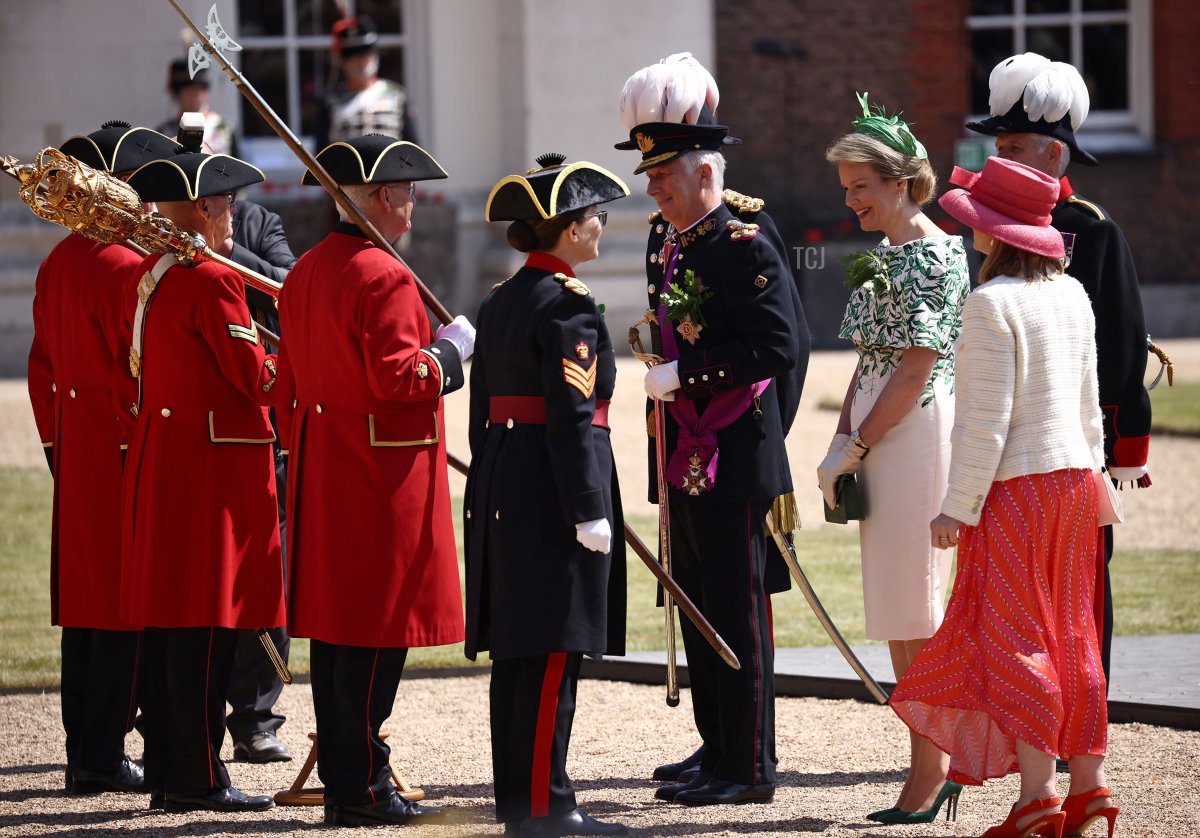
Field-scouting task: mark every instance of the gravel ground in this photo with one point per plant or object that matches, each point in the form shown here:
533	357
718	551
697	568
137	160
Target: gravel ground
838	760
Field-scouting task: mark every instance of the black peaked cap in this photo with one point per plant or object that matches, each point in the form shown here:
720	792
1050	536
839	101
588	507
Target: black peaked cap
1016	121
118	148
193	175
554	189
662	142
376	158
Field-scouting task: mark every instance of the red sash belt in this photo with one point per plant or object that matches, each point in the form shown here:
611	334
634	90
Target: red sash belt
531	410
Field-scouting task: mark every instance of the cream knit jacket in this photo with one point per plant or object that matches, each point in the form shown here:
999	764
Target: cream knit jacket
1027	399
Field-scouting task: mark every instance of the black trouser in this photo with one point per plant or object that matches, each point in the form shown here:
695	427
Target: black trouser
354	688
1106	624
254	685
718	556
99	694
184	680
533	706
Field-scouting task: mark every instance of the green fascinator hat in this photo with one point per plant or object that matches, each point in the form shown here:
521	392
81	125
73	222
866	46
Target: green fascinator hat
889	130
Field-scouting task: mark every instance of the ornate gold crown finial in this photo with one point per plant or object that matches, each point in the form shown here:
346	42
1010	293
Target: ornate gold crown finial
644	143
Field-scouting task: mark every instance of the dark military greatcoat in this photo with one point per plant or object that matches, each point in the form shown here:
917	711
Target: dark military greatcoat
1102	262
543	372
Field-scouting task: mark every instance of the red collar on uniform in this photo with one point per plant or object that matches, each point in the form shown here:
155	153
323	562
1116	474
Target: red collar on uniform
546	262
1065	190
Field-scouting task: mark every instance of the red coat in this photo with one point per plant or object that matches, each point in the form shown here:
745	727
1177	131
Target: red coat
76	339
200	540
371	550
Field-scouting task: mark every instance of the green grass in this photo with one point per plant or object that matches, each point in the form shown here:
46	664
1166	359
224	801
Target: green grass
1176	409
1155	590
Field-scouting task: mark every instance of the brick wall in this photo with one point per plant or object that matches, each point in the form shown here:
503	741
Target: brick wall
913	55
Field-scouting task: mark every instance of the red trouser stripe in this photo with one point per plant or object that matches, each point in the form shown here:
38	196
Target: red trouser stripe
543	740
1098	601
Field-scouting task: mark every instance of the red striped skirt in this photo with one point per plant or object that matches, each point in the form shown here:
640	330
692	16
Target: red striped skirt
1017	656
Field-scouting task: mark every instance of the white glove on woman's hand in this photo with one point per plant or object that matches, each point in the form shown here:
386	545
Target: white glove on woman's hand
595	535
843	457
662	380
461	333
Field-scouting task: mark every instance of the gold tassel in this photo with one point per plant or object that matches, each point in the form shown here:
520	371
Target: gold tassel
783	514
1167	364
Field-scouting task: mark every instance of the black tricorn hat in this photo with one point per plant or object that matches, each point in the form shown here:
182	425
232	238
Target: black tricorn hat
118	147
1016	121
192	175
354	35
555	188
179	76
376	158
662	142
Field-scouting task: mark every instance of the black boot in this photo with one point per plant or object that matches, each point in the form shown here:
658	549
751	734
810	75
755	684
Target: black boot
217	800
671	771
574	822
128	778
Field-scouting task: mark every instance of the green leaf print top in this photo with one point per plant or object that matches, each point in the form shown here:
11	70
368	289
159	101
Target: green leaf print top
922	306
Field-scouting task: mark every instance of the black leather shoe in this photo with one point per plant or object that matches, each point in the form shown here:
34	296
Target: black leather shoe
672	770
128	778
218	800
669	791
263	746
575	822
157	801
717	792
395	809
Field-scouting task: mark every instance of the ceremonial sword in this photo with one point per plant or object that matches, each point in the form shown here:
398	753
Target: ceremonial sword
789	558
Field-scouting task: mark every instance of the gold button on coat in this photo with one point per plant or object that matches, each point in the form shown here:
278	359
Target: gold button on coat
166	411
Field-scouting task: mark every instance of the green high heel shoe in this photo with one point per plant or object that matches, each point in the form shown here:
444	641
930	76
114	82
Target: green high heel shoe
949	795
875	816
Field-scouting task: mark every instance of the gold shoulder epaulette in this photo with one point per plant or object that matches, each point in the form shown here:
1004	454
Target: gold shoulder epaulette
741	230
498	284
1099	213
654	216
742	203
572	284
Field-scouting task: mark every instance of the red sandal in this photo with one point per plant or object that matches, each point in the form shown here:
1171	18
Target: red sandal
1079	818
1049	824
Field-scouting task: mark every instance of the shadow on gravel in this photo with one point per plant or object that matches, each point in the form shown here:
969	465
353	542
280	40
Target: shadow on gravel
84	824
39	768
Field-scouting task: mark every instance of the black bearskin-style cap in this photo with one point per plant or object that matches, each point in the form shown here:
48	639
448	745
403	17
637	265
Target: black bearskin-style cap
354	35
557	187
376	158
192	175
179	76
118	148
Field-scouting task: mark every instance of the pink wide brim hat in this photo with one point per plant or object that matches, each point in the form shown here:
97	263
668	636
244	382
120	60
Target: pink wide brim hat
1009	201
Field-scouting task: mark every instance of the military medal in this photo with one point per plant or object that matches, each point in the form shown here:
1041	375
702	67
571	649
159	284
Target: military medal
695	479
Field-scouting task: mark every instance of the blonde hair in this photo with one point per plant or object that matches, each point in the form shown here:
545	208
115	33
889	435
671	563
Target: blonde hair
891	164
1005	259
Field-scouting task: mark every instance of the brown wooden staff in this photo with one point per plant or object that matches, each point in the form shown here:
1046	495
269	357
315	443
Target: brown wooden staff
440	311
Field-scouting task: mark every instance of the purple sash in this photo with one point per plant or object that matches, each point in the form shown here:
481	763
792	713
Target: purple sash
693	465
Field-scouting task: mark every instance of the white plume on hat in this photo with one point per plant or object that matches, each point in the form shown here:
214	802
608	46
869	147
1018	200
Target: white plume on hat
673	90
1050	89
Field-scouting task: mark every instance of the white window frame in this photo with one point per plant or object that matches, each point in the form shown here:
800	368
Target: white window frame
1104	130
291	43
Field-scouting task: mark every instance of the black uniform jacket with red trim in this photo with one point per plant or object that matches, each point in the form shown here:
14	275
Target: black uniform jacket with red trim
1101	260
531	587
755	330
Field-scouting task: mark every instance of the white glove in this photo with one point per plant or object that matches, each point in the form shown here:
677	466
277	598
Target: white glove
662	380
461	333
843	457
595	535
1127	474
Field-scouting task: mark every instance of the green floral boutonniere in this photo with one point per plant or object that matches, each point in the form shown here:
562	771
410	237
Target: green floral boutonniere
683	301
866	266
